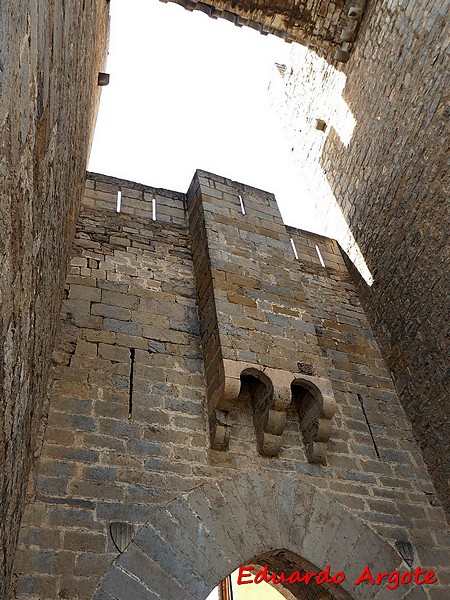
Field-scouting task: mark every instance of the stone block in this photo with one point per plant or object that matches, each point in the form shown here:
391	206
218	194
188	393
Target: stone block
84	292
118	583
40	586
65	517
200	536
196	556
118	299
75	454
154	577
126	328
79	587
37	538
114	353
81	422
84	541
95	336
56	486
151	543
112	312
119	511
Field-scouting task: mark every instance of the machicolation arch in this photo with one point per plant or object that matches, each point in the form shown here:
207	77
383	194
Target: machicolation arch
330	27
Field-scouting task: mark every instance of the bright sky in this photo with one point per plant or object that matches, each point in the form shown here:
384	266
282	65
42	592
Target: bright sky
188	92
260	591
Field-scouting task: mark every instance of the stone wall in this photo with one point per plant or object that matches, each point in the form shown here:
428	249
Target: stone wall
50	55
128	436
383	159
330	26
389	180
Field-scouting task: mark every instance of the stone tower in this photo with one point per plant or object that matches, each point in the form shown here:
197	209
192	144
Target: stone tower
218	397
390	181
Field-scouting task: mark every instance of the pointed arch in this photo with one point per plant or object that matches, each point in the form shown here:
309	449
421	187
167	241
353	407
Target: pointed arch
202	536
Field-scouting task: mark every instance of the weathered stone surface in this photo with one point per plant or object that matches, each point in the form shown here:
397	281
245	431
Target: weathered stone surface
382	158
110	456
50	55
321	24
99	464
297	554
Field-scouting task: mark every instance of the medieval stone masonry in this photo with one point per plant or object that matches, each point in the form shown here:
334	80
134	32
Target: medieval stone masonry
50	55
326	26
225	388
384	158
278	345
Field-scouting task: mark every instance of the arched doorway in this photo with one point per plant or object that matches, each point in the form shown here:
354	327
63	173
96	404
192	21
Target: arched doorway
280	574
199	538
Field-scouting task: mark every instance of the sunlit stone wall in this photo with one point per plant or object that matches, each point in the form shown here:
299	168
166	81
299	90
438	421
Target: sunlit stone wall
382	157
50	56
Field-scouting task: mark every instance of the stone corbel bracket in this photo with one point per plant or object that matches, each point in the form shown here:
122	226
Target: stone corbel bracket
270	397
271	392
219	430
220	402
314	399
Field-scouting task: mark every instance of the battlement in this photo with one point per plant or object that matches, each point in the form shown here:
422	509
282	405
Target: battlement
311	250
198	348
127	446
134	199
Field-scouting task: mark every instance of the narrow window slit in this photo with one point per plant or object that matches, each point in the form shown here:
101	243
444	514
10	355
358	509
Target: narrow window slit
368	426
119	201
242	205
319	254
154	209
294	249
130	399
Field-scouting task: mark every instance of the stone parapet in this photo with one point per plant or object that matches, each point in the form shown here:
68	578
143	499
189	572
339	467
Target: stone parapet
127	444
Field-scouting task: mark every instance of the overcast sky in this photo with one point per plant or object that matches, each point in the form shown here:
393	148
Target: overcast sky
188	92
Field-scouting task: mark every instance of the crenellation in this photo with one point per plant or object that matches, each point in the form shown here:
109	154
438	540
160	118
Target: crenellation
352	458
217	391
293	319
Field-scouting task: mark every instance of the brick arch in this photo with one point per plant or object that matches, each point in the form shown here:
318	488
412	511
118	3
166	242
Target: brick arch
202	536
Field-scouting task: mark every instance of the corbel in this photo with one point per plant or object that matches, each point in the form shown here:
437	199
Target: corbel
316	413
